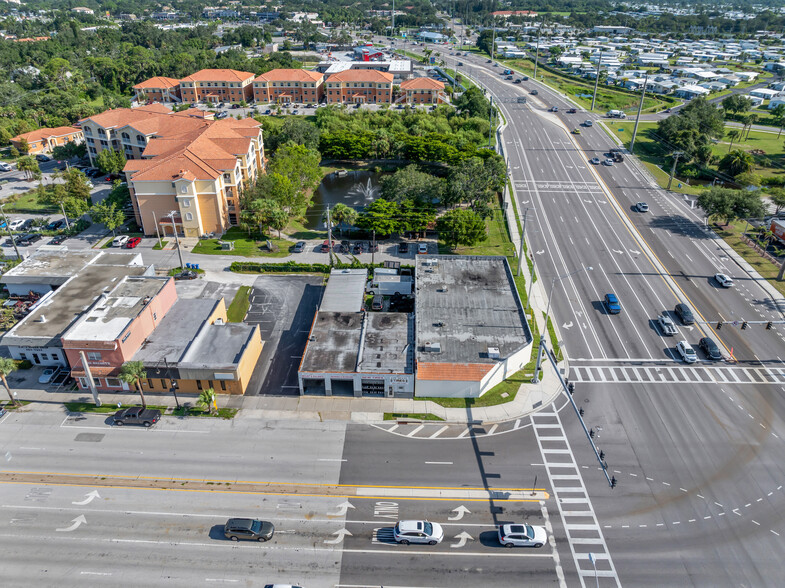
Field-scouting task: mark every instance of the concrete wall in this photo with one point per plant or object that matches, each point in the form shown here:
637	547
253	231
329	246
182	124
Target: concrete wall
447	388
395	385
54	355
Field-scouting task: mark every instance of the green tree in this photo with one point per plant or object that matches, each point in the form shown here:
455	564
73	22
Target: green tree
382	216
110	161
736	103
409	183
7	365
461	227
732	135
29	165
207	400
266	213
736	162
299	131
778	113
108	215
133	372
300	165
777	197
473	102
69	150
341	214
729	205
474	181
416	216
751	120
76	185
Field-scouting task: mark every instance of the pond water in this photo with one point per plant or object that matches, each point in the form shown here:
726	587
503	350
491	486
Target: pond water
357	188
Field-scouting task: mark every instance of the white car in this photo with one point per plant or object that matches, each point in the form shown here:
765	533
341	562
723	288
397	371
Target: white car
667	326
522	536
120	241
422	248
687	352
723	280
588	123
406	532
607	162
642	207
16	224
5	167
46	376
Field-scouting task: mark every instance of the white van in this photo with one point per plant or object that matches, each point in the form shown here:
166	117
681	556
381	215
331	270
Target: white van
120	241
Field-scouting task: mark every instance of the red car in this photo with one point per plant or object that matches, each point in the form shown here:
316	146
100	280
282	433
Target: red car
133	242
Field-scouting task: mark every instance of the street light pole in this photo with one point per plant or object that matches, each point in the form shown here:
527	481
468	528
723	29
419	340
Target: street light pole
596	81
638	118
555	279
537	51
8	228
176	239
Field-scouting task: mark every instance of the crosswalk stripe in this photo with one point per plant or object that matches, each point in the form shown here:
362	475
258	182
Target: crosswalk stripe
439	432
677	374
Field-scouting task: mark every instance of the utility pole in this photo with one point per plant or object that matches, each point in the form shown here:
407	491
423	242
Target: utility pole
596	81
676	155
329	236
67	224
393	20
490	122
523	236
638	118
7	228
157	232
537	51
176	240
493	42
89	377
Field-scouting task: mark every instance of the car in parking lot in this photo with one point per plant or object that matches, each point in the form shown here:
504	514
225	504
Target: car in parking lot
46	376
422	248
58	239
612	304
252	529
120	241
406	532
724	280
42	157
522	535
684	313
222	114
666	324
358	248
377	303
16	224
595	161
327	246
642	207
29	239
5	167
710	348
403	247
133	242
687	352
54	225
298	247
186	275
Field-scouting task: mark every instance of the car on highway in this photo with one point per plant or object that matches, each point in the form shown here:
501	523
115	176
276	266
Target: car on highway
5	167
576	131
595	161
136	415
710	348
120	241
460	63
588	123
518	80
572	110
667	326
508	77
642	207
406	532
607	162
687	352
298	247
724	280
522	535
534	92
684	313
46	376
553	109
489	61
612	304
525	78
252	529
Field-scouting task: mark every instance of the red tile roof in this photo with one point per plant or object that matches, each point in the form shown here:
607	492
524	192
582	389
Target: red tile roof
34	136
422	84
456	372
157	82
218	75
290	75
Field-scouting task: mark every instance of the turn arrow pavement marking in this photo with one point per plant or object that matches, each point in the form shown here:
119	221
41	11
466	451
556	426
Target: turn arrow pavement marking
342	509
460	511
76	522
340	534
567	325
89	497
462	539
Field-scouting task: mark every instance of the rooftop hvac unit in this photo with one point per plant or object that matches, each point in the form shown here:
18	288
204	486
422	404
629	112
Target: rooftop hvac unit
431	347
430	261
493	353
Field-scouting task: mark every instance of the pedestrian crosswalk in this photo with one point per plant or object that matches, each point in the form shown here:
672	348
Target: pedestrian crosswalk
665	374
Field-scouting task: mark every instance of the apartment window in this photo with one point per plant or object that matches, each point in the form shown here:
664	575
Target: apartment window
189	216
198	384
94	356
140	138
126	137
185	203
104	143
210	384
150	383
113	383
83	382
22	356
163	383
183	189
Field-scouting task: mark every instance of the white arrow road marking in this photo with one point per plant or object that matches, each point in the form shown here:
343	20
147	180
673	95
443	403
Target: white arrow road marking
342	509
635	251
584	326
540	252
76	522
567	325
460	511
617	251
462	539
88	498
340	534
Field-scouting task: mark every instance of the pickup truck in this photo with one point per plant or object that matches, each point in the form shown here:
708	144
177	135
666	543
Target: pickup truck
136	416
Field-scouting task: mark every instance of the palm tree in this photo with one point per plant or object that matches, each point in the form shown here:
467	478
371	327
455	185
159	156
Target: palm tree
7	365
732	135
751	120
342	213
133	372
207	399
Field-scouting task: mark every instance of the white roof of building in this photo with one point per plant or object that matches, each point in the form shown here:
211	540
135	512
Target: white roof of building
345	291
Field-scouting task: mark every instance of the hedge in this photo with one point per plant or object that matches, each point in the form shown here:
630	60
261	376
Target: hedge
291	267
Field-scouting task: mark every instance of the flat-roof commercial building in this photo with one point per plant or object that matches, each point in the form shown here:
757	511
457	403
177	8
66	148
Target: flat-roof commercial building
471	327
401	69
351	352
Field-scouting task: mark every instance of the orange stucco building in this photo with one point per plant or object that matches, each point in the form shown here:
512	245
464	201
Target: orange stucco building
289	85
355	86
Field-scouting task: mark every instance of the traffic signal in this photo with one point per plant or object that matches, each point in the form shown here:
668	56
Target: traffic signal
769	325
743	325
719	325
613	482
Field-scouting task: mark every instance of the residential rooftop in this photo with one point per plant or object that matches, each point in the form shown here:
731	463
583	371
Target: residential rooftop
57	267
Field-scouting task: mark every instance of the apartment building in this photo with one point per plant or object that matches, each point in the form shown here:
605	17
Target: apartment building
44	140
217	85
158	89
422	91
359	87
180	163
289	85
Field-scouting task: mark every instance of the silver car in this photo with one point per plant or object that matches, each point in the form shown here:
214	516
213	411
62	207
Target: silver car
522	536
406	532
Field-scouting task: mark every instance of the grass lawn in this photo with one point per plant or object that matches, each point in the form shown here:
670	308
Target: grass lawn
297	230
581	91
239	306
158	247
426	416
770	164
28	203
732	235
254	245
497	243
464	81
499	394
222	413
105	408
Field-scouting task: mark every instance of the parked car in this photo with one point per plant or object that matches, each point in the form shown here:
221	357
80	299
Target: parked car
422	248
642	207
186	275
403	247
666	324
612	304
133	242
687	352
406	532
42	157
377	303
373	247
29	239
460	63
522	535
222	114
253	529
358	247
327	246
525	78
299	247
136	415
684	313
16	224
710	348
46	376
236	106
54	225
58	239
5	167
724	280
120	241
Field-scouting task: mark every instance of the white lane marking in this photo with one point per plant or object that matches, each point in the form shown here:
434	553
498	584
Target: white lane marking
439	462
415	431
330	459
439	432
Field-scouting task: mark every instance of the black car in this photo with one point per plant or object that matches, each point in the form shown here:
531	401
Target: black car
403	247
685	314
346	246
58	239
186	275
137	415
299	247
572	110
710	348
373	247
525	78
358	248
41	157
253	529
29	239
53	226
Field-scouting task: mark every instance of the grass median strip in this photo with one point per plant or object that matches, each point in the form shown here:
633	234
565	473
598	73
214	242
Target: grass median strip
420	416
239	306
